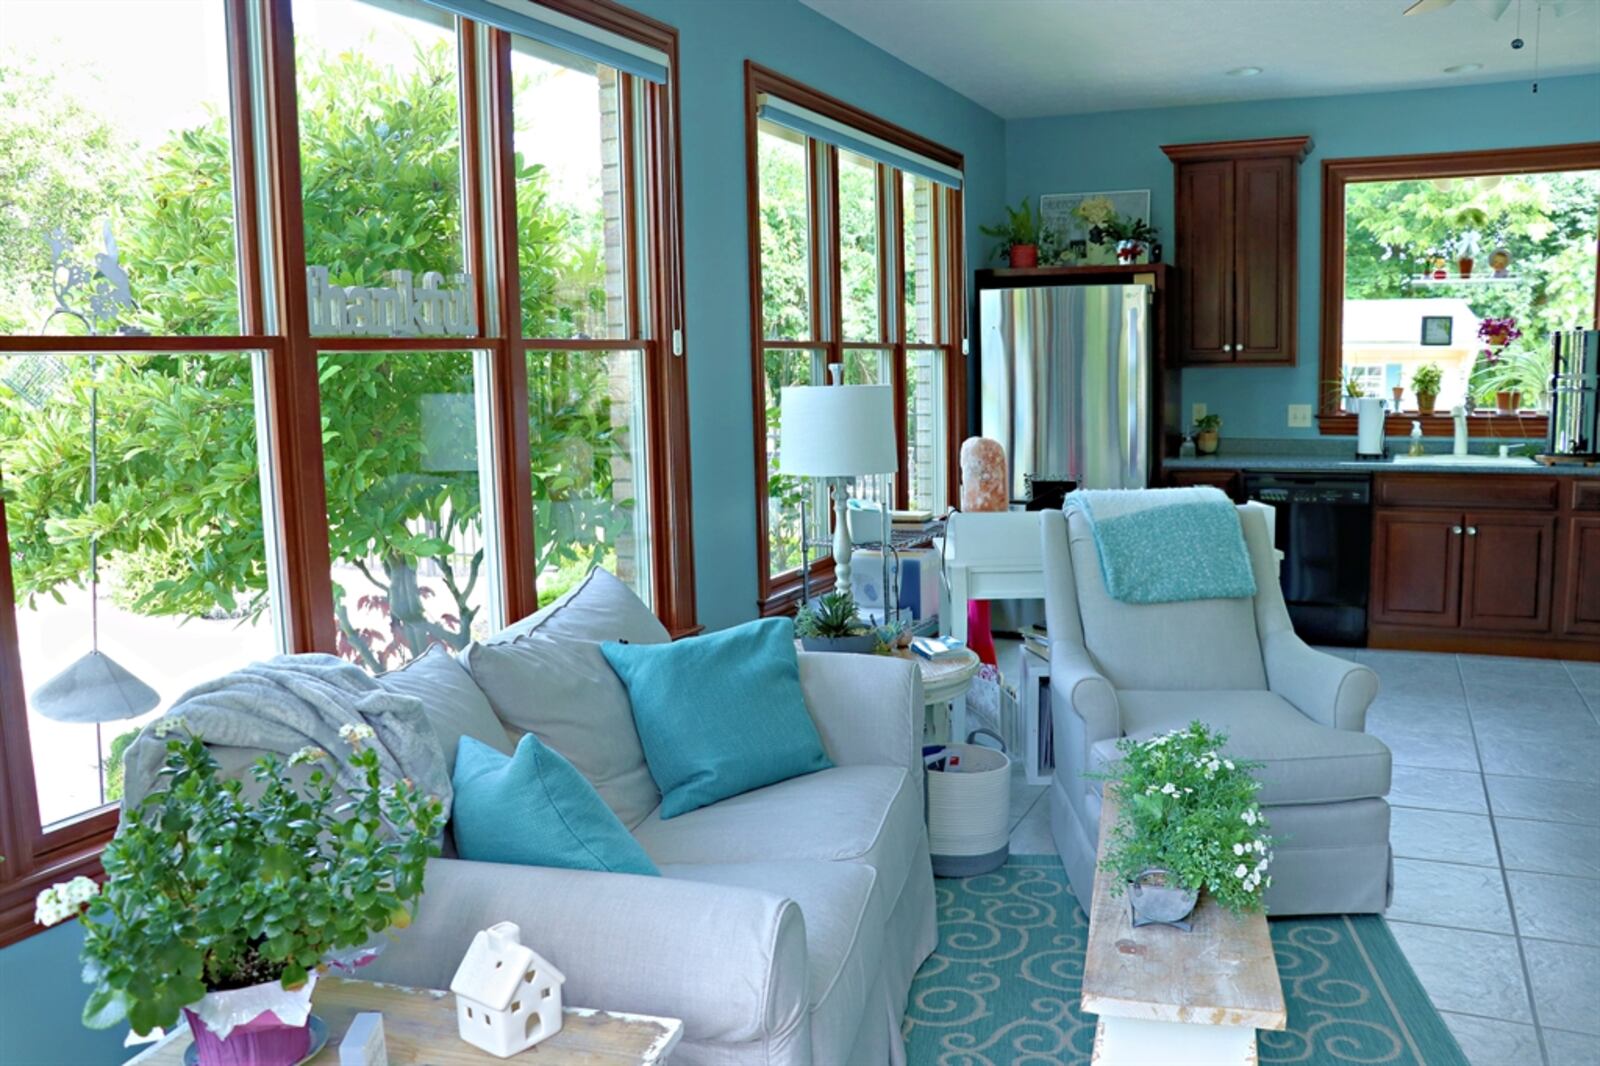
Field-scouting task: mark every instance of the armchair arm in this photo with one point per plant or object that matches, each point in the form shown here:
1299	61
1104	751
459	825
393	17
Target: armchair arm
1325	688
868	708
1076	685
731	962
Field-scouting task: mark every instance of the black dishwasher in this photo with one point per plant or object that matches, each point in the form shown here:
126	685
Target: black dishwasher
1324	529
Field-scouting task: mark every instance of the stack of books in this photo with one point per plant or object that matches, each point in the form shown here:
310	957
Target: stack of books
912	529
937	648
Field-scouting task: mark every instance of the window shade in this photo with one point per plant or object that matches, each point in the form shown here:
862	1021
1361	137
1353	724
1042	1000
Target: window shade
562	31
803	120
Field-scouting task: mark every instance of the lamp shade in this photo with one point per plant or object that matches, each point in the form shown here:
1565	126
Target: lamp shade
837	430
95	688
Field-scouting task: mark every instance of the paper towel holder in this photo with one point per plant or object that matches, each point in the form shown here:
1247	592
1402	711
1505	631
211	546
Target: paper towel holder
1370	440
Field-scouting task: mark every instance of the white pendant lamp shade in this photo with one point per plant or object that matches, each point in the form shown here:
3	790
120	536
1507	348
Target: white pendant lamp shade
837	430
94	689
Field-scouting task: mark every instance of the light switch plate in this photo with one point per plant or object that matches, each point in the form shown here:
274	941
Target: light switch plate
1299	416
1197	411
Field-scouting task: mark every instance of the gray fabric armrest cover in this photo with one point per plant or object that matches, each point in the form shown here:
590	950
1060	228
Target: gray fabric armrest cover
730	962
1090	696
867	708
1325	688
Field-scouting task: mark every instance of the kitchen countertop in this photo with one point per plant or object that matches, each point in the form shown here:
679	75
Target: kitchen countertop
1331	464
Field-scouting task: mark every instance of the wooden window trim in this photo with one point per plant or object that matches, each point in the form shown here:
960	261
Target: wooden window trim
1338	173
780	593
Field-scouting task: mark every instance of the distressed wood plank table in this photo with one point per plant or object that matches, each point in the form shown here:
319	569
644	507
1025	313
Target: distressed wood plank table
419	1027
1171	997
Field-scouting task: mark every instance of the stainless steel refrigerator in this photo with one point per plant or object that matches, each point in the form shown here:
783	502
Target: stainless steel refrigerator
1065	381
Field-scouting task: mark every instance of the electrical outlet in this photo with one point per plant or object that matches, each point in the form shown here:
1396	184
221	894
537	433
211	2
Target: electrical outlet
1299	416
1197	411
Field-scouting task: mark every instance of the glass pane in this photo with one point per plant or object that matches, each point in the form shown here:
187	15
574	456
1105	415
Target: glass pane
785	367
1468	275
176	513
405	512
869	366
785	235
117	169
590	469
916	199
925	393
571	237
380	157
858	246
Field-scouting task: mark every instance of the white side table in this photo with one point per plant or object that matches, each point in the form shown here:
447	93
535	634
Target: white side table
944	684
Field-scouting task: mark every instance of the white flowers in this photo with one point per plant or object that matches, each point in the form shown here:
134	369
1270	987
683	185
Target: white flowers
1169	789
1250	817
170	724
1228	763
1241	870
308	754
64	900
353	735
1238	849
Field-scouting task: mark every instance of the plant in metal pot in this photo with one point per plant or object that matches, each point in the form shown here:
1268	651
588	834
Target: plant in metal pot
1189	822
831	623
223	910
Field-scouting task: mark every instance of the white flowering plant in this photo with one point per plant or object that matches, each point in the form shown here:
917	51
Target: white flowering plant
207	891
1189	809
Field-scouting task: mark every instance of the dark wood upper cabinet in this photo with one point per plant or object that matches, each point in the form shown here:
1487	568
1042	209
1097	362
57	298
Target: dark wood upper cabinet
1236	220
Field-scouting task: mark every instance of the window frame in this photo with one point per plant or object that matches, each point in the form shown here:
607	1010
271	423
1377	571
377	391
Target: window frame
274	319
780	593
1339	173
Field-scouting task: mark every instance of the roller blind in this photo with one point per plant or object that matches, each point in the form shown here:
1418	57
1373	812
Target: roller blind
529	19
792	116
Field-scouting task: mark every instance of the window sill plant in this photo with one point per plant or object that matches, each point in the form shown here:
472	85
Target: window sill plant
1189	823
224	910
1425	385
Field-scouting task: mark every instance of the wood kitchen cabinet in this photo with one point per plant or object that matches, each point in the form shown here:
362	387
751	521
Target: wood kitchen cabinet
1416	568
1578	562
1236	234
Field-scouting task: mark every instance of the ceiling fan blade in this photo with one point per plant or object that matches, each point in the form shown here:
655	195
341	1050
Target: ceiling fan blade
1423	7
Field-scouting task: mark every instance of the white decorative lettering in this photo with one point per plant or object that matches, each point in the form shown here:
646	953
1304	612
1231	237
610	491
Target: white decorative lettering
401	309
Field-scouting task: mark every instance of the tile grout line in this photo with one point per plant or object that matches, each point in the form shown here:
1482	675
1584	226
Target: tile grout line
1505	880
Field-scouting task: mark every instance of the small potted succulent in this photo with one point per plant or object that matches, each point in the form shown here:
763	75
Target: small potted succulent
1018	236
223	911
1425	383
1207	433
831	623
1188	822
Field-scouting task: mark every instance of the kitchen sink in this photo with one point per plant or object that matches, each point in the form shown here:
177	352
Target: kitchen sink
1465	460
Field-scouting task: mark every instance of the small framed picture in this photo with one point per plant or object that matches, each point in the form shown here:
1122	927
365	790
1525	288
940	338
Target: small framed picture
1436	329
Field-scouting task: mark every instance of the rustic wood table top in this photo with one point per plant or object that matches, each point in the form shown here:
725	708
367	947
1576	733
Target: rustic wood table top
1222	972
419	1027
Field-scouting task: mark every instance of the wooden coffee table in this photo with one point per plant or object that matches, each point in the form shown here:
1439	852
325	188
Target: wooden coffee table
419	1027
1176	998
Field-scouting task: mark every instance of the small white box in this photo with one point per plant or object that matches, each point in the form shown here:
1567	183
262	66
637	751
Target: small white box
363	1043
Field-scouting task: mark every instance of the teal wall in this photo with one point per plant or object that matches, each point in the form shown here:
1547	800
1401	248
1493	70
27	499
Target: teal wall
41	998
1121	150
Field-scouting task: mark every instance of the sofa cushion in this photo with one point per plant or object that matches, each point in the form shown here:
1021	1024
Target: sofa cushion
1306	762
545	675
1206	644
534	809
456	707
721	714
844	948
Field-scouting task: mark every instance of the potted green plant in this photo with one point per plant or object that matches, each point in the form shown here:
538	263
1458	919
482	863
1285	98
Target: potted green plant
1425	383
1351	390
831	623
223	910
1018	236
1207	433
1130	236
1472	220
1188	822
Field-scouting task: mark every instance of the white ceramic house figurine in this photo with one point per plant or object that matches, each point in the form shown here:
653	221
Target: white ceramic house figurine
508	998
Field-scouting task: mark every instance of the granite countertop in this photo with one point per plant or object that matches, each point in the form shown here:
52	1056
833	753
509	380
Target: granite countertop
1271	462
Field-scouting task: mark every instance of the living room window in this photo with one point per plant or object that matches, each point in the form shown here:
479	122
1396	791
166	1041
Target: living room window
370	350
1462	262
853	263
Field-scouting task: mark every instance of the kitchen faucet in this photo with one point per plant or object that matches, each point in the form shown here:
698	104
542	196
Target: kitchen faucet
1459	414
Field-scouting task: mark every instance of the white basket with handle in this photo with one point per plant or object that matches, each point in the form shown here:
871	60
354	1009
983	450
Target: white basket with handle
968	812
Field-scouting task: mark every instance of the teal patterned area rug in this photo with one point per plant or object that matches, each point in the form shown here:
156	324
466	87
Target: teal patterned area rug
1003	987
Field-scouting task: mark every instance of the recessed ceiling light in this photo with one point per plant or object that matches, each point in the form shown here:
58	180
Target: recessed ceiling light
1463	68
1244	72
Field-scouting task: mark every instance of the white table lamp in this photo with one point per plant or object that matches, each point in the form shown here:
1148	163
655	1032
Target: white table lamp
837	432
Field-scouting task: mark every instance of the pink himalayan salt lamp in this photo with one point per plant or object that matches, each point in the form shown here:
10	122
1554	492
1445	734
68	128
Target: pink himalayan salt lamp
983	475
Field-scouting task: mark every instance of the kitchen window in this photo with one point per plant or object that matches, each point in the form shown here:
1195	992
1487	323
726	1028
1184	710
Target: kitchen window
1463	262
855	261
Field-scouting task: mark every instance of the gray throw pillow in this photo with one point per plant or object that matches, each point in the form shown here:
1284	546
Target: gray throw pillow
454	704
546	676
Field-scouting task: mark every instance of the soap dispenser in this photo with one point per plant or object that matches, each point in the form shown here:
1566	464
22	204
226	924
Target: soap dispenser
1416	438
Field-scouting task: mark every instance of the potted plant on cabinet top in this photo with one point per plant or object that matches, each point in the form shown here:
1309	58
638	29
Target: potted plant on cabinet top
830	623
1018	236
223	911
1207	433
1188	822
1425	383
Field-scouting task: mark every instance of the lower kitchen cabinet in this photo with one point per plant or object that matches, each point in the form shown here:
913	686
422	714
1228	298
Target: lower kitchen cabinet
1507	571
1580	576
1416	568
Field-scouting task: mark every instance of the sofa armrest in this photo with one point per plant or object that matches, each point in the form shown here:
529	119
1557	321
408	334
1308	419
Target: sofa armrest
731	962
1080	688
868	708
1324	687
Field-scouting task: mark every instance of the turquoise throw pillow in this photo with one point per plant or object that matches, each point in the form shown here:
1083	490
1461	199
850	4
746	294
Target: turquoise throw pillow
534	808
720	714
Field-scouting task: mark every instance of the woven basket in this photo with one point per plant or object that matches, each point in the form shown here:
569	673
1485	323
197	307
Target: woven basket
968	811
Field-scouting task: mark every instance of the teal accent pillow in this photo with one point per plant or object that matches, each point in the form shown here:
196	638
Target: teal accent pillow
532	807
720	714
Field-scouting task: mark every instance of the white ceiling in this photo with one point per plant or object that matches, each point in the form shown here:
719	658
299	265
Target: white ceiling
1027	58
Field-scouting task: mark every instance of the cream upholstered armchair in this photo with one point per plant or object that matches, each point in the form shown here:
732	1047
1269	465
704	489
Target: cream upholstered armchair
1119	669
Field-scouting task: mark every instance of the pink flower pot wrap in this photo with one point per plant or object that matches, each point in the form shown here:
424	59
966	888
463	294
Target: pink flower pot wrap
263	1025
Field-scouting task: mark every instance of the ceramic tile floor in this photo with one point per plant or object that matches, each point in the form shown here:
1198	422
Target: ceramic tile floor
1496	833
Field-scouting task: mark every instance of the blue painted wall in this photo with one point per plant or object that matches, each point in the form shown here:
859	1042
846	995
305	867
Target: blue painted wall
1121	150
41	999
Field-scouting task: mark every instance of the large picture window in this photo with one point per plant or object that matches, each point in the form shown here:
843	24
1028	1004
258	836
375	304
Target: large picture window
353	328
855	262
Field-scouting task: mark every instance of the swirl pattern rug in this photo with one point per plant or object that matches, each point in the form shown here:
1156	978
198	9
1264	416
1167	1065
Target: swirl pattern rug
1003	987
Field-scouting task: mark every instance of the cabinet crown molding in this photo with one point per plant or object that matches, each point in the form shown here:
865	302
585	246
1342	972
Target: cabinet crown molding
1261	148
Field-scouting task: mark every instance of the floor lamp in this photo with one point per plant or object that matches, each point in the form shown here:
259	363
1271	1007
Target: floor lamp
835	433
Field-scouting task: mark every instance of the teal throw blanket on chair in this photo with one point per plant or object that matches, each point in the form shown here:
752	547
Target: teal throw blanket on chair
1167	545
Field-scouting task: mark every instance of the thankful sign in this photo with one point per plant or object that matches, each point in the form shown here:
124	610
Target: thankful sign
403	309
